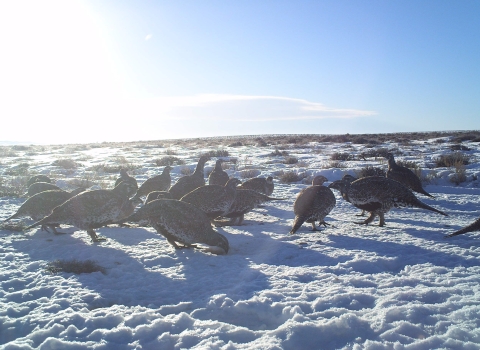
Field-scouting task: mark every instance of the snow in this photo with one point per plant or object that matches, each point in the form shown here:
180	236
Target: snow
402	286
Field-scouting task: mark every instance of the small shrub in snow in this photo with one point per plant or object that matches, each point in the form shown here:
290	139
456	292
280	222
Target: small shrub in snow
291	160
218	153
278	153
261	142
249	173
14	186
74	266
185	170
453	159
334	164
459	176
341	156
7	152
290	176
370	171
458	147
236	144
168	160
65	163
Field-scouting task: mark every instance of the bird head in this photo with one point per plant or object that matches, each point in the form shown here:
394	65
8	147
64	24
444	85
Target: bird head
223	243
339	185
319	180
349	178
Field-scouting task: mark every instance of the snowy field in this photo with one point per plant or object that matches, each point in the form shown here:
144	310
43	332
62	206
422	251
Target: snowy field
402	286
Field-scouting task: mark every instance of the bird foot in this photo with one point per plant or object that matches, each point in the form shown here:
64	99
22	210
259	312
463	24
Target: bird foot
361	223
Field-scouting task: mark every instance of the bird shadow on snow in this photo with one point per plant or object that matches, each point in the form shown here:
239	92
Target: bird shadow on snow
395	256
143	269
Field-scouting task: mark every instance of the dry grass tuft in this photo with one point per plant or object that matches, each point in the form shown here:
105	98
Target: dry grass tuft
453	159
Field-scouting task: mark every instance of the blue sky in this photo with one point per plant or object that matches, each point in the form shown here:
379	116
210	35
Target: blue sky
93	71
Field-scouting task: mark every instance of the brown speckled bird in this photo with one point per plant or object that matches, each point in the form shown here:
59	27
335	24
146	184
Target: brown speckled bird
218	176
125	177
245	201
405	176
158	195
312	204
351	178
378	195
259	184
214	200
475	226
38	187
156	183
190	182
168	218
41	204
38	178
92	209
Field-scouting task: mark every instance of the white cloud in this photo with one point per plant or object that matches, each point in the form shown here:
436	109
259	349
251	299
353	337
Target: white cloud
242	108
148	37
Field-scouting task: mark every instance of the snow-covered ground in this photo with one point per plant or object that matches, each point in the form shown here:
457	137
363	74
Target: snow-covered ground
402	286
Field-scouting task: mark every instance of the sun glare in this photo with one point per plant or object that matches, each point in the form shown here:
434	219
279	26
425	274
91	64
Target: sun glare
53	62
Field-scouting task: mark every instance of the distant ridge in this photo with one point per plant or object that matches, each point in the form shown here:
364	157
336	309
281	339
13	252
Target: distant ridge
461	135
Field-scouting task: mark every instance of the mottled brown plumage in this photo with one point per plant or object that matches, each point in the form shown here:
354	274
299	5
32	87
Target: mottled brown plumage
351	178
312	204
404	175
92	209
40	205
38	187
214	200
156	183
218	176
188	183
168	218
259	184
378	195
127	178
475	226
245	201
158	195
38	178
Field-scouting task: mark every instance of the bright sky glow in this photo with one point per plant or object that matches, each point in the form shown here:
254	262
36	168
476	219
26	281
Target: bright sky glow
89	71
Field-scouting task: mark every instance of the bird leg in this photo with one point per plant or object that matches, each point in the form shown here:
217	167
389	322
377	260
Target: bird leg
368	220
184	246
94	237
361	214
382	219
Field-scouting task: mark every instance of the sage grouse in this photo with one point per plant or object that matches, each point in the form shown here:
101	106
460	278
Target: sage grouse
125	177
41	204
38	178
92	209
214	200
38	187
259	184
378	195
156	183
158	195
404	176
245	201
475	226
313	204
169	218
190	182
218	176
351	178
